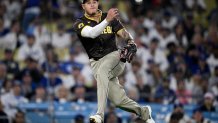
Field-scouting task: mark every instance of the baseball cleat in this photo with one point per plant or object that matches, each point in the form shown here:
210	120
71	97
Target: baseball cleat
95	119
145	110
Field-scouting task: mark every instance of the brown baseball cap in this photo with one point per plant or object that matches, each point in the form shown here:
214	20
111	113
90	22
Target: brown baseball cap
84	1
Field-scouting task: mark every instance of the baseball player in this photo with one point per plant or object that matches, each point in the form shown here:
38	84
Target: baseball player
97	31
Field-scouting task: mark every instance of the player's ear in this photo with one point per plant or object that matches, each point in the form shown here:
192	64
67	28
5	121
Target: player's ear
83	6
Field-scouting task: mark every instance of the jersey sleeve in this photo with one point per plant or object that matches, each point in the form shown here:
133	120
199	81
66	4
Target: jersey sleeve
78	26
116	25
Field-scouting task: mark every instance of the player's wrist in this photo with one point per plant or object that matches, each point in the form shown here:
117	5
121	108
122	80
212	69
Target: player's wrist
106	21
130	41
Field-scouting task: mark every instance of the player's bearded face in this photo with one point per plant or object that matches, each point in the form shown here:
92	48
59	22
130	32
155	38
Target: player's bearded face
91	7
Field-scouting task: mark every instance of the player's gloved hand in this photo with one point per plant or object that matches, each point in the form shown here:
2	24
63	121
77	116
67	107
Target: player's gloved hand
128	52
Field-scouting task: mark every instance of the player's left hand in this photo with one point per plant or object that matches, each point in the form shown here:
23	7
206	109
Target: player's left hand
128	52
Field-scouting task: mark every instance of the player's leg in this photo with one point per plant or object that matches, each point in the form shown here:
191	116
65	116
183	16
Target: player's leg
118	96
102	91
102	72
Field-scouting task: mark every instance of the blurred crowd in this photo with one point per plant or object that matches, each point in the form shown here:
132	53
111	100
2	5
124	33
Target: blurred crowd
41	58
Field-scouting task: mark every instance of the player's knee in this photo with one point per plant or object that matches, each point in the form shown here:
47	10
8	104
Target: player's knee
120	98
117	103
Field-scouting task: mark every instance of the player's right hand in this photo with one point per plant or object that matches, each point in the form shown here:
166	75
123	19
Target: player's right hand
112	13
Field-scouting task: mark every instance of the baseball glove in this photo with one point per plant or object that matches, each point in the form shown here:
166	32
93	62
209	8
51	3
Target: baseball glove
128	52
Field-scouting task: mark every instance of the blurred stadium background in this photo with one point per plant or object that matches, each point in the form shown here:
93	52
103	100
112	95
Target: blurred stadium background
45	75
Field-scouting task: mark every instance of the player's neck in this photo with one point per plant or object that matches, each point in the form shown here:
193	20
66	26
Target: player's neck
96	17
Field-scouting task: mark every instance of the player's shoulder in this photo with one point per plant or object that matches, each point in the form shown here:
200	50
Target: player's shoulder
79	21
